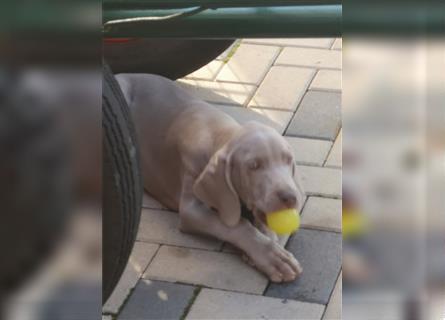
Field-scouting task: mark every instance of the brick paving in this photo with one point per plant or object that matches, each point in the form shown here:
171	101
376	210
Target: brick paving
319	253
293	85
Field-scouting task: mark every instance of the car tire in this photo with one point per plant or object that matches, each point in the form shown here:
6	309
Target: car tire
122	184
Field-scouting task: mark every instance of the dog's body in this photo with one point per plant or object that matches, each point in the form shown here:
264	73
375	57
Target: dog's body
167	129
196	158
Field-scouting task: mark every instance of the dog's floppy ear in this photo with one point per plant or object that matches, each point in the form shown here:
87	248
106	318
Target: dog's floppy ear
214	187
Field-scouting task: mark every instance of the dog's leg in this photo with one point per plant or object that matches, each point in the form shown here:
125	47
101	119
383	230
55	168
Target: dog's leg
265	230
267	255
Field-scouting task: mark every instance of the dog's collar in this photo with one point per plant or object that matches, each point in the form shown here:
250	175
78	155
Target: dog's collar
246	213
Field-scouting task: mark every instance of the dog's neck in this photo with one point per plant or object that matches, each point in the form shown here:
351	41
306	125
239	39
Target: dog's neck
224	135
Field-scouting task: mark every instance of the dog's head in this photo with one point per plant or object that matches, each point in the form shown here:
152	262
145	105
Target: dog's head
257	167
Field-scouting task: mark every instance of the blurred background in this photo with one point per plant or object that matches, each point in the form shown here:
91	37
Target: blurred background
393	160
50	140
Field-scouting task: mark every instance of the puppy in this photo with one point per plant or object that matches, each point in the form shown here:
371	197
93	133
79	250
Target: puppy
200	162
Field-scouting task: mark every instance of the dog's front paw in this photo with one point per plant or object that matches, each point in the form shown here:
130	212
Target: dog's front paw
276	262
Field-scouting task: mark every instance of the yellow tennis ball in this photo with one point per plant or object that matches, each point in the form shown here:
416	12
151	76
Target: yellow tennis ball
284	221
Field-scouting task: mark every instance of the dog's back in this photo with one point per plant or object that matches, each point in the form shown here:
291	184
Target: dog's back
174	130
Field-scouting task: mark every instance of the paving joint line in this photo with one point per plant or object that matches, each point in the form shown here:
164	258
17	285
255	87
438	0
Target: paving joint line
121	307
318	228
302	136
219	70
309	138
307	67
233	48
292	45
151	208
332	167
310	164
332	292
333	43
332	147
247	107
225	104
280	50
324	197
232	291
182	247
213	78
300	102
271	109
327	196
151	260
191	302
233	82
325	90
160	209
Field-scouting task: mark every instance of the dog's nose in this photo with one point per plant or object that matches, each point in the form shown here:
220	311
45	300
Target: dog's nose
288	198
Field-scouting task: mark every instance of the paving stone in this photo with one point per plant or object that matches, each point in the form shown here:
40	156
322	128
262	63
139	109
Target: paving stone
150	203
282	88
211	269
335	156
140	258
276	119
333	309
320	181
319	116
315	58
322	213
217	304
157	300
337	44
159	226
319	253
309	151
208	72
329	80
297	42
219	92
249	64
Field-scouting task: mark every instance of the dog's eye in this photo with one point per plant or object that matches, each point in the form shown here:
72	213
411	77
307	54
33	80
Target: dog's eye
254	165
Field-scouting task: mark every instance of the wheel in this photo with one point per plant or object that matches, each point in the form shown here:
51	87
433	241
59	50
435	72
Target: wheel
122	183
171	58
34	187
